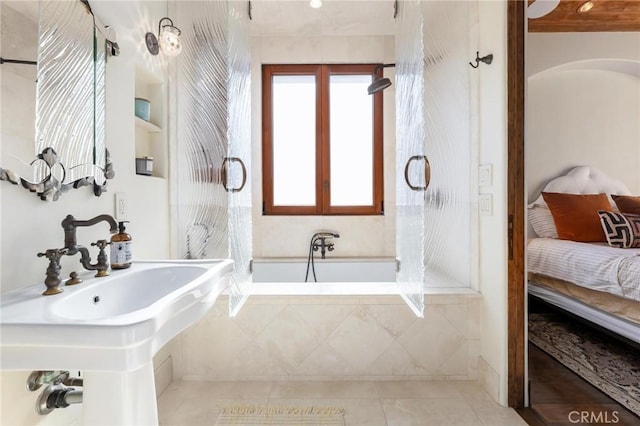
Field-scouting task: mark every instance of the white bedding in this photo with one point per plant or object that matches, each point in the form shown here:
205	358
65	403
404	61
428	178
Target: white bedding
592	265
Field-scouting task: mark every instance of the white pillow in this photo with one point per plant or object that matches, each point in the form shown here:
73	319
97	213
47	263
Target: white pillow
541	221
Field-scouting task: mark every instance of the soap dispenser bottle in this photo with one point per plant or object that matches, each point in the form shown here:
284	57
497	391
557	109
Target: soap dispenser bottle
121	248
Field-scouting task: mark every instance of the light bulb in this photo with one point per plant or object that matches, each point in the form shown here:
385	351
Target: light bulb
169	41
315	4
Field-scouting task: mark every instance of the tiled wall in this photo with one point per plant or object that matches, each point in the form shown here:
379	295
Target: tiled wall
333	338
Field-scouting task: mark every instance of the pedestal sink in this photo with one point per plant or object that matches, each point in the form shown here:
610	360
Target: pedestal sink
110	328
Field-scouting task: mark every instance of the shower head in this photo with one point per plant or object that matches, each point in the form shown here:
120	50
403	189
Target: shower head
379	83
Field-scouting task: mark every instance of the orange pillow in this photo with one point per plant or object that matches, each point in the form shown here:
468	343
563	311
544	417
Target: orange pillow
627	203
576	216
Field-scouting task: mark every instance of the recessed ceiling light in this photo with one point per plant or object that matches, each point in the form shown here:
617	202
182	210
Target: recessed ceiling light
586	6
315	4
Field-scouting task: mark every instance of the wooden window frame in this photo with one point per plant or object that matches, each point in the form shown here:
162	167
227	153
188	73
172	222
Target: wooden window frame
322	73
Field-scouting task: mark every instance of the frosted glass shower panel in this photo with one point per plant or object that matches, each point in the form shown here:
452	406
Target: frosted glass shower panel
214	138
410	142
294	140
447	37
201	130
351	140
239	148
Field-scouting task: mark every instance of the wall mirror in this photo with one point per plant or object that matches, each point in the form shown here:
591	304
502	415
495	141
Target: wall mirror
63	145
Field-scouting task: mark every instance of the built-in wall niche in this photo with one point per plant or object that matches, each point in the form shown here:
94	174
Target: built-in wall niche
151	135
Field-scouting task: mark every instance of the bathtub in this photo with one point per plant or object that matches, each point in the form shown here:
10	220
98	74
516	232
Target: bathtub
336	275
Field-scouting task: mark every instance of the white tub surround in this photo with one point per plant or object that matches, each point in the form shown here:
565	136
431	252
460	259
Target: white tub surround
335	275
341	276
333	338
330	270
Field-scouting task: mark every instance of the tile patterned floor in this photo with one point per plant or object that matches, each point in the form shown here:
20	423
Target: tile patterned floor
193	403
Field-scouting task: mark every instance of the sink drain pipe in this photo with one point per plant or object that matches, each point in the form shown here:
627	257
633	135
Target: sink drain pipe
57	396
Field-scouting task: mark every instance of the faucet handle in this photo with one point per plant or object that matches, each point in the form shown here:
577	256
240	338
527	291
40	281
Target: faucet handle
52	280
101	244
103	263
54	253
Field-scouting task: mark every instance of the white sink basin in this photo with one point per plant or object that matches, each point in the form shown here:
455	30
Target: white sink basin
115	323
110	328
115	300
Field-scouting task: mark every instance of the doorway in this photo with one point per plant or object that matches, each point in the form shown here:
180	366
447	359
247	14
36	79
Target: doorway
517	337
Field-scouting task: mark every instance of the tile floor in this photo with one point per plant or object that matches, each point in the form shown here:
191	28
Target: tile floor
449	403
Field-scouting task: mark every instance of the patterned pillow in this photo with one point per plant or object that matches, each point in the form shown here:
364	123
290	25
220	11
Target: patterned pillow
621	229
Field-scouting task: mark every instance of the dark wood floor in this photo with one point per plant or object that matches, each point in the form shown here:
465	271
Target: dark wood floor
558	396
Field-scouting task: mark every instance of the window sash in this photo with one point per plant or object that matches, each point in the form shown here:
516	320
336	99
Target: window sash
322	74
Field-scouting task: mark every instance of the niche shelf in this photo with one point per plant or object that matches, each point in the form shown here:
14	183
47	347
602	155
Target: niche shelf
147	125
150	136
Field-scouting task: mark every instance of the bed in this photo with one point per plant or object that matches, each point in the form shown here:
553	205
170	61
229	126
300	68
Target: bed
588	279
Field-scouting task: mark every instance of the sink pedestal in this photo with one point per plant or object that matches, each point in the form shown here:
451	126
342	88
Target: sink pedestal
120	398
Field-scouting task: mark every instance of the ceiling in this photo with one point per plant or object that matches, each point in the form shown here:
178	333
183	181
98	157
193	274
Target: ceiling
335	17
606	15
375	17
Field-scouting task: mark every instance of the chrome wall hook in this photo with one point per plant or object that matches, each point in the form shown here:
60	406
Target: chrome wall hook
486	59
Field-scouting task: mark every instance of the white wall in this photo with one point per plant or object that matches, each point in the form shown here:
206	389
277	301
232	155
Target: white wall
29	225
547	50
492	89
583	104
287	236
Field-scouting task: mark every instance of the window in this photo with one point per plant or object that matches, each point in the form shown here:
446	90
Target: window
321	140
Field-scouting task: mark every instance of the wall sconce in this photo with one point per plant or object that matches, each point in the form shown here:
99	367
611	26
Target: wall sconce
379	83
168	39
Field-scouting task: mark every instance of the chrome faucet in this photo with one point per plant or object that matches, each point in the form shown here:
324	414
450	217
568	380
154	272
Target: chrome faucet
69	224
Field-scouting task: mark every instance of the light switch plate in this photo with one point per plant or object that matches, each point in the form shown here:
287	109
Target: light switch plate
485	175
485	204
121	206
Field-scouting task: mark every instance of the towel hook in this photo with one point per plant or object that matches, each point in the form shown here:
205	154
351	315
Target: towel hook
486	59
